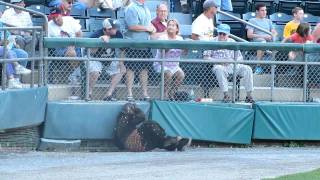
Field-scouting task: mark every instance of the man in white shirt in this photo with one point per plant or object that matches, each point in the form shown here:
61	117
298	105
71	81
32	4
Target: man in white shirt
64	26
202	27
19	18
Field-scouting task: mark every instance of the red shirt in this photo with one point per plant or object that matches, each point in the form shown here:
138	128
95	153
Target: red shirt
158	25
64	13
296	38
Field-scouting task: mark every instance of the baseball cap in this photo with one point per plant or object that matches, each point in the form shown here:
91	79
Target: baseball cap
209	3
15	1
55	11
110	23
224	28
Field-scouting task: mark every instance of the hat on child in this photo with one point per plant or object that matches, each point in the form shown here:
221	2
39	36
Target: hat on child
224	28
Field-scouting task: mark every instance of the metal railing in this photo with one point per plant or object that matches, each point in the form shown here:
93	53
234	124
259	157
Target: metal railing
281	80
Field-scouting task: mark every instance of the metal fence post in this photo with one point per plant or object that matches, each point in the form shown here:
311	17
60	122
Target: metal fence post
40	68
234	77
272	75
33	46
4	64
305	79
87	98
162	76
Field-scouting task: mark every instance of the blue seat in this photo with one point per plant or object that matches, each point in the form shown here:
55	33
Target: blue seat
37	21
152	5
309	18
94	24
182	18
286	6
279	28
240	6
185	30
247	16
224	18
76	12
39	8
82	23
100	13
280	18
312	7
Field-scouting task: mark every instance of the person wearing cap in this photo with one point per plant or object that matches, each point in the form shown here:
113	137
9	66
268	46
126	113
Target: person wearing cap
64	5
116	69
19	18
222	71
138	27
202	26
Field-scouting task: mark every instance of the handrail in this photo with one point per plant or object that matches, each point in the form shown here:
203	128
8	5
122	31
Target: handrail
159	44
245	22
45	26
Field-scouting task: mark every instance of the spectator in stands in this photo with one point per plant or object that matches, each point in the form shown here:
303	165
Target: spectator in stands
19	18
64	5
116	68
173	74
292	26
302	35
138	27
64	26
202	27
160	22
223	70
257	35
316	34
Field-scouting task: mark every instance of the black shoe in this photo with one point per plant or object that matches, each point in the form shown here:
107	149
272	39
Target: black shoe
249	99
146	98
109	98
183	143
171	143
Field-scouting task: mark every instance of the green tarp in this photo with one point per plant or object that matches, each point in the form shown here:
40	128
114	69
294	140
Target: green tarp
287	121
22	107
83	120
211	122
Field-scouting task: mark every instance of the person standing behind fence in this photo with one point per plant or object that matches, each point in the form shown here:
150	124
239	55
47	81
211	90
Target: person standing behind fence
116	68
202	27
292	25
138	27
257	35
19	18
173	74
160	22
223	70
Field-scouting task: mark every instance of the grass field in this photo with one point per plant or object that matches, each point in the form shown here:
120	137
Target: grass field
311	175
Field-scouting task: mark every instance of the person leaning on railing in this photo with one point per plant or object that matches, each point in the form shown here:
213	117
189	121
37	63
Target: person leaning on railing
173	74
223	70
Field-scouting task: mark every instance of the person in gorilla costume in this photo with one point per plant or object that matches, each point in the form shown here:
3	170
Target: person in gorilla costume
135	133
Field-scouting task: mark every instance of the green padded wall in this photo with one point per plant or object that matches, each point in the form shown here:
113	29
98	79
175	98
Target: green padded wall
287	121
83	120
211	122
22	107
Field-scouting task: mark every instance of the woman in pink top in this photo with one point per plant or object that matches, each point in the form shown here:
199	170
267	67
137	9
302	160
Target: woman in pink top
302	35
173	74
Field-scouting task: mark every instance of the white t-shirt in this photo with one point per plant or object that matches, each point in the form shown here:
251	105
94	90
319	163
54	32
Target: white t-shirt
203	26
69	28
22	19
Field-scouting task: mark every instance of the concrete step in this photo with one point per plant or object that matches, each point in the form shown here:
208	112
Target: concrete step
63	92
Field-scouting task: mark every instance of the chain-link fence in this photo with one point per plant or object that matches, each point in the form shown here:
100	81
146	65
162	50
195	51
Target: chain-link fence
182	72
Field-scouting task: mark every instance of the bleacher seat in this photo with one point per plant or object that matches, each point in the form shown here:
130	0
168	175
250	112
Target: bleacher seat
152	5
312	20
120	13
286	6
312	7
37	21
280	18
76	12
240	6
82	22
247	16
182	18
224	18
94	24
271	4
99	13
279	28
185	30
39	8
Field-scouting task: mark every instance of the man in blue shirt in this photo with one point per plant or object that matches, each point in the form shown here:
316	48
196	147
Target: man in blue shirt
138	27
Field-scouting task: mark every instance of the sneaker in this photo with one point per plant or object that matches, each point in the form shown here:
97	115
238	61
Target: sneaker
14	84
249	99
258	70
183	143
226	99
22	70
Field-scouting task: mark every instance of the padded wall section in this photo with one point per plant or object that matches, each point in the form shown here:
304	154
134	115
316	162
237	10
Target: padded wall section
81	120
22	107
210	122
287	121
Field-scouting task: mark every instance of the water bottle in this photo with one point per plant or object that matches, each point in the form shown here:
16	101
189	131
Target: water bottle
192	96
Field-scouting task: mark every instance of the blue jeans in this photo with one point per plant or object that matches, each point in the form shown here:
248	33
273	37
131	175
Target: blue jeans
10	55
20	53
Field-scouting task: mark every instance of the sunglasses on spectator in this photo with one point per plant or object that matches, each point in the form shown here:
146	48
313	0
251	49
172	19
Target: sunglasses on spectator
222	34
